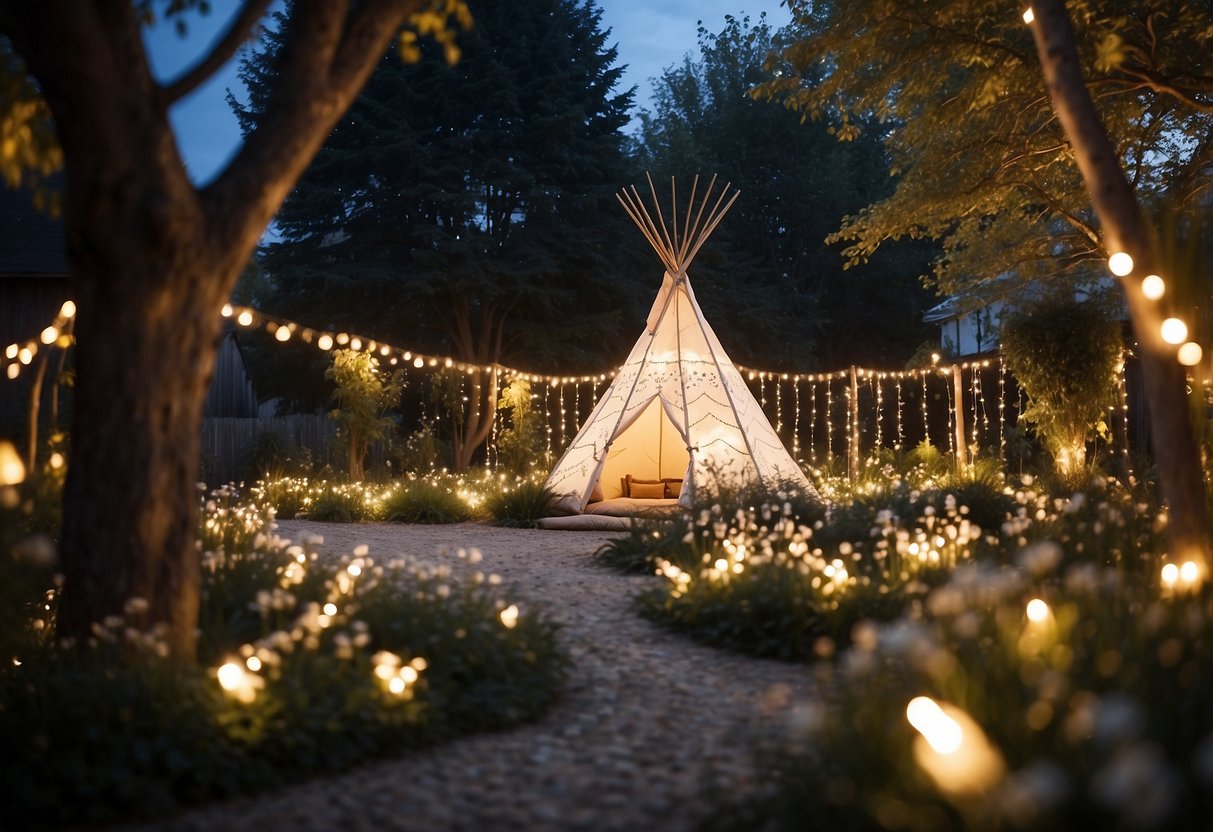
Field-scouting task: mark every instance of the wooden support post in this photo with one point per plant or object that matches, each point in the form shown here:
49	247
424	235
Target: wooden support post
962	455
853	425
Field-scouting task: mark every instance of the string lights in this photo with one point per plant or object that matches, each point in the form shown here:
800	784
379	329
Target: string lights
18	355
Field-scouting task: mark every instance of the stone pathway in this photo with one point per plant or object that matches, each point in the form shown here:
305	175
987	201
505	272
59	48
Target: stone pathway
648	721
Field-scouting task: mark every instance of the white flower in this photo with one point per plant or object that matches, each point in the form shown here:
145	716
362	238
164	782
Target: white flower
1140	784
1041	557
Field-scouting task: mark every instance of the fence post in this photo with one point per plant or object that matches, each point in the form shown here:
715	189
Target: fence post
962	455
853	433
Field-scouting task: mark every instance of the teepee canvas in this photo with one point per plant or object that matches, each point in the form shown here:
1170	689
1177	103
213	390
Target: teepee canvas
678	410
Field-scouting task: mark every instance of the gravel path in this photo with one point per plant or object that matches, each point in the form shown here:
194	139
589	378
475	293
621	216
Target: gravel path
647	722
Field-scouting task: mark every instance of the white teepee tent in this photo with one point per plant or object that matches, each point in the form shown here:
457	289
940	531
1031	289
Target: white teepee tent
678	409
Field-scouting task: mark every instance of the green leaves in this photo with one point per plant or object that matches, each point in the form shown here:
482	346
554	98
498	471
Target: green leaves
983	165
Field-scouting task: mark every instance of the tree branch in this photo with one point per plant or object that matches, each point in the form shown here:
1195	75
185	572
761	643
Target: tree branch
308	99
237	34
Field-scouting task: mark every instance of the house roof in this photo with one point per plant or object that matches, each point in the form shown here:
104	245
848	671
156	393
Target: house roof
31	243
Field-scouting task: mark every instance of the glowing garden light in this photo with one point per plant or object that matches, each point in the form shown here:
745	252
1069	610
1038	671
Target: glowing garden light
330	608
1189	573
68	309
1120	264
1174	331
419	362
10	352
325	342
1153	287
1190	354
238	681
26	355
226	311
343	338
12	469
253	663
245	318
1037	611
509	616
952	749
49	335
282	333
943	733
1028	16
1170	575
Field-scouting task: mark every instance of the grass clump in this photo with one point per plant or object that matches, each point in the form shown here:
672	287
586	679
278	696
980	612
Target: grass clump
422	501
521	506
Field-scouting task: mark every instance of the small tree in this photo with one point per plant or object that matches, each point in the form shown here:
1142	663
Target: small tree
363	396
521	444
1064	354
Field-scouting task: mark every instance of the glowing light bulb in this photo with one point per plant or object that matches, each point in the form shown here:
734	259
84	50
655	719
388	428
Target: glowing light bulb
1174	331
1190	354
396	685
226	311
1120	264
1170	574
325	342
49	335
1189	572
10	352
1028	16
509	616
355	344
941	731
1038	611
231	676
282	333
245	318
68	309
57	461
342	338
418	362
1153	287
12	469
330	608
25	355
253	663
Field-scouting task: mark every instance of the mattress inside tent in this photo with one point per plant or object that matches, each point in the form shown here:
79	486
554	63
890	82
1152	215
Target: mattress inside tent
612	515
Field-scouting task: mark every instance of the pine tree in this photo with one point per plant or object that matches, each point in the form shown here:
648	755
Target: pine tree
468	209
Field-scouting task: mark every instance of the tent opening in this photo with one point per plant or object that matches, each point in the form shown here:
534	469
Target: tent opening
650	449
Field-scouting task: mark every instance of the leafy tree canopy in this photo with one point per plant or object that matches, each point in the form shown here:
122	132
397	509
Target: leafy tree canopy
982	163
767	280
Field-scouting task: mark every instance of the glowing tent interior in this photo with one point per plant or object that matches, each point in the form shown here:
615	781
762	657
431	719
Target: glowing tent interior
678	418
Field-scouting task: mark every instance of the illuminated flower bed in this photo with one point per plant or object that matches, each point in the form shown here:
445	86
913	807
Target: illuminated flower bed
306	665
434	498
791	580
1039	696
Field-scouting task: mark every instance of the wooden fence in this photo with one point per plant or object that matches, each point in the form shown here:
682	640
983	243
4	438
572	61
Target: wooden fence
228	443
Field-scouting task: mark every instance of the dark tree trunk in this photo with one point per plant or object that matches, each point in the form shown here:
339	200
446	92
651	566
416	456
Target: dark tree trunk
152	260
1175	448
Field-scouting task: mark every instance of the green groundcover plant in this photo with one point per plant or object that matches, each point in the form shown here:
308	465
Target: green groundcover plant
306	665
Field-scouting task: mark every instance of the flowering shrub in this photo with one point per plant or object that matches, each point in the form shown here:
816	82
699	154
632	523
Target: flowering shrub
758	580
1039	696
791	581
306	664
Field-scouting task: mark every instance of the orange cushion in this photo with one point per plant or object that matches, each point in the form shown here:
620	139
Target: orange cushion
596	495
626	482
647	490
673	488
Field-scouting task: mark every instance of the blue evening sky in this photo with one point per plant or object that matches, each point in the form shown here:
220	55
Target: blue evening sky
650	36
